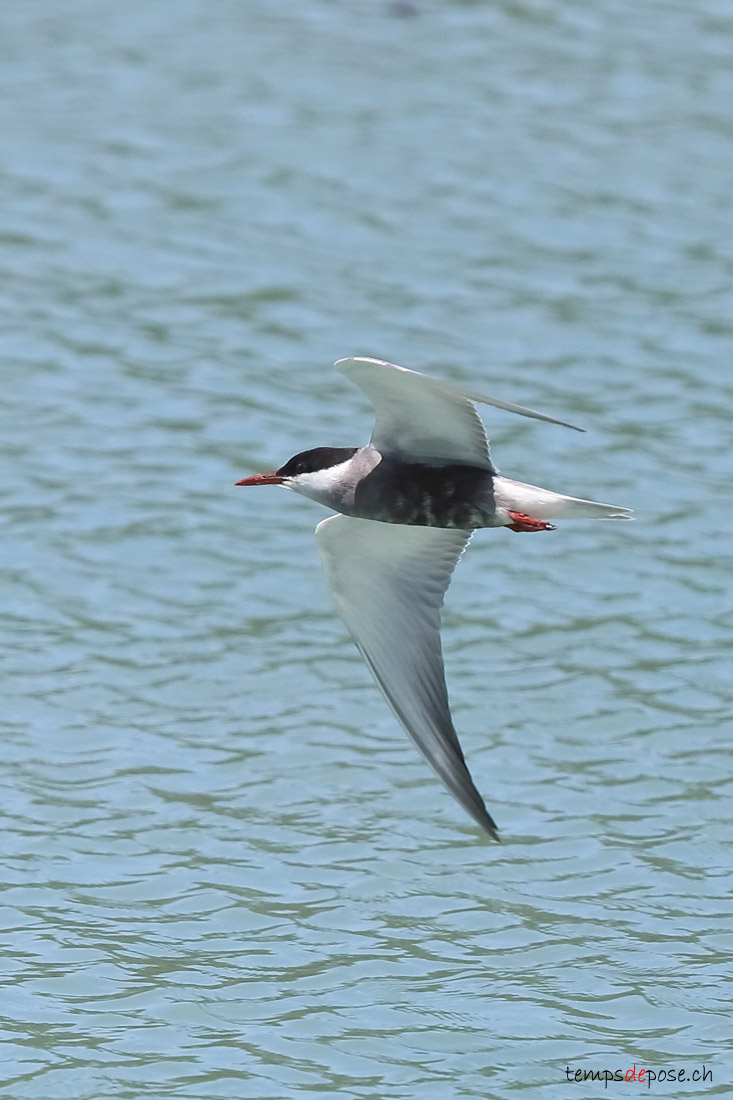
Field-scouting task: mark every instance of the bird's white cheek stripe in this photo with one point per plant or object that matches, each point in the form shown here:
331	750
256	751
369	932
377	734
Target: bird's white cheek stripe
320	483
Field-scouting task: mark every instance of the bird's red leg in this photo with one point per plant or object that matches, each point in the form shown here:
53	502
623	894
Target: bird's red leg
526	523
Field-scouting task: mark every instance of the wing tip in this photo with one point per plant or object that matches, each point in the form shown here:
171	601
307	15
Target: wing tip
489	825
476	807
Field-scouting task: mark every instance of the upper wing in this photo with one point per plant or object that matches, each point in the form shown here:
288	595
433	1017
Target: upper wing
423	420
388	583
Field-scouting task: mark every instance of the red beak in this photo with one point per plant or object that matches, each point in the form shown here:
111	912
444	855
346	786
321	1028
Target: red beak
262	479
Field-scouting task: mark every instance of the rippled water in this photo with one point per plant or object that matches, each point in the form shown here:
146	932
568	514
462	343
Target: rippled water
227	872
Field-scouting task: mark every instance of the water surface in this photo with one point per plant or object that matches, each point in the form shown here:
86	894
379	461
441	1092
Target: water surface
227	872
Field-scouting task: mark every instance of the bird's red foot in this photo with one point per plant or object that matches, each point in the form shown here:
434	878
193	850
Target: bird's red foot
526	523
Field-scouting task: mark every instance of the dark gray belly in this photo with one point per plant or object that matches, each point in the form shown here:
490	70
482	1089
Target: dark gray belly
426	496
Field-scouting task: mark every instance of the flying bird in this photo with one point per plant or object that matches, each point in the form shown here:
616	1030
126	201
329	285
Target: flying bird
408	503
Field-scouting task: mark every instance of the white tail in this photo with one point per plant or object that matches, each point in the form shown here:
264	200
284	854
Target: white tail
515	496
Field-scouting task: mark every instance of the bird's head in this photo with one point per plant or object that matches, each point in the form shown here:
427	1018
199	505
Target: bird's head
314	473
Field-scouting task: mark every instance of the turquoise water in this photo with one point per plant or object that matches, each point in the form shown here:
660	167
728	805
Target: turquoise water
227	872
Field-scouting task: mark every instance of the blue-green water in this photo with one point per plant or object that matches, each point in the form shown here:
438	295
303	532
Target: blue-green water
226	871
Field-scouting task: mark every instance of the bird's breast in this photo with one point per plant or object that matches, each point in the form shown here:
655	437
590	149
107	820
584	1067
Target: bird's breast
425	496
